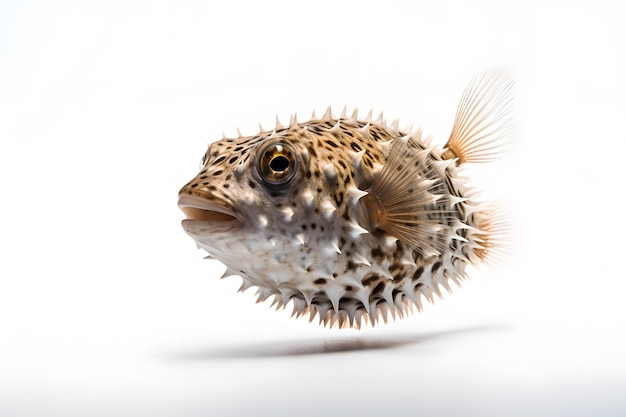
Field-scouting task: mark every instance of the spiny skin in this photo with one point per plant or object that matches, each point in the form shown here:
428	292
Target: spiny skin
346	238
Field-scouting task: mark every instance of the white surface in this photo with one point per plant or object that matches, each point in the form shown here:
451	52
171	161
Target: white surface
107	309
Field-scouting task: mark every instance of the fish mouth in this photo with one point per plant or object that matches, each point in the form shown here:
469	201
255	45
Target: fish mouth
207	214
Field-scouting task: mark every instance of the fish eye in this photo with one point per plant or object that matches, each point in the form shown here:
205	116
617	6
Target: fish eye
277	164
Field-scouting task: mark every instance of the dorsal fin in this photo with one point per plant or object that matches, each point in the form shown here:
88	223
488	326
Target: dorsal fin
405	200
483	122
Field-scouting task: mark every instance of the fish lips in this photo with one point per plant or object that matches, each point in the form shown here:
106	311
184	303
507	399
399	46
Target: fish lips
207	215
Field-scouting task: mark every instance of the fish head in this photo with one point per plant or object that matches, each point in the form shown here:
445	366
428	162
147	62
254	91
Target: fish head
258	194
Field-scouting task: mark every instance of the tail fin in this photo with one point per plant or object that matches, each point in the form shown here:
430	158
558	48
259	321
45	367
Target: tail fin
492	237
483	123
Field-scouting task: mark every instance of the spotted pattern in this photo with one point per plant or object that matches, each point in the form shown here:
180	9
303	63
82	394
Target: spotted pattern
307	245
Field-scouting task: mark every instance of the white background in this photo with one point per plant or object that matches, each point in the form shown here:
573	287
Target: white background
106	307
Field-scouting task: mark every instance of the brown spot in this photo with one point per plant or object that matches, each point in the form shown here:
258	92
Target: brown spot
377	253
435	267
369	279
398	277
344	300
418	273
320	281
349	288
339	198
379	288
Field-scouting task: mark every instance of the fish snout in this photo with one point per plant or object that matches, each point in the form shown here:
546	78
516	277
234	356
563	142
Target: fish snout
207	209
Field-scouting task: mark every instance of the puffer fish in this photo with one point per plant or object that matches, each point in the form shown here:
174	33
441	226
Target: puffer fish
351	219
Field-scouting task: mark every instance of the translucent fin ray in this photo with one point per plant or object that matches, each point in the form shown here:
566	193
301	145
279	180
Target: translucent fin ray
493	235
403	200
484	123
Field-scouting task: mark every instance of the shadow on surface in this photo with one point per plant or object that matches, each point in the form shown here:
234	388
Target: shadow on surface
283	348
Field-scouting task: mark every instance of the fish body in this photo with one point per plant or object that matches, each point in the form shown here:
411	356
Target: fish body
351	220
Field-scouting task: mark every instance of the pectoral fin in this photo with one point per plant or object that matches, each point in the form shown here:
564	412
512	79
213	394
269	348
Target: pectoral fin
408	199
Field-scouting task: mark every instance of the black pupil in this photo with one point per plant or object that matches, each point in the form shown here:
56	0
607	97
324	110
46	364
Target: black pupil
279	163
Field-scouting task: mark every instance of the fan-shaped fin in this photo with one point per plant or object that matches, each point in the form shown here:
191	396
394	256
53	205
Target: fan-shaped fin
492	236
483	123
408	201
